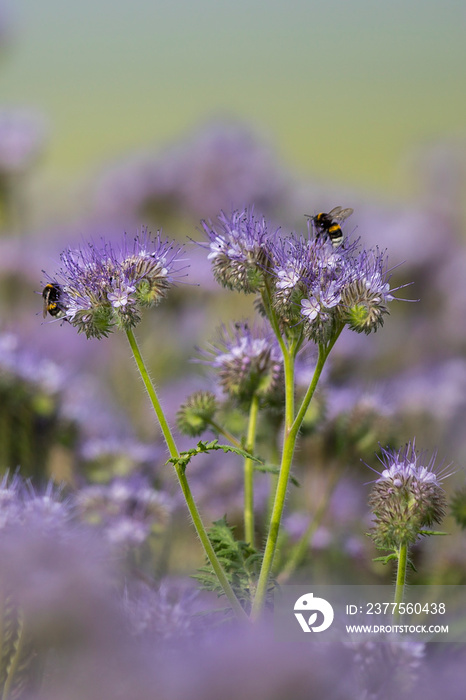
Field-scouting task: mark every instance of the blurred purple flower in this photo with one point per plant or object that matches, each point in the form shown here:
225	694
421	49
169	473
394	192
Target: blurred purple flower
127	511
168	613
222	165
429	389
28	366
55	585
22	136
387	668
248	362
116	454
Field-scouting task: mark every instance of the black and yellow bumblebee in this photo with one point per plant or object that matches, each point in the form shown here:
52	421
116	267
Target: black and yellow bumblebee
329	223
53	300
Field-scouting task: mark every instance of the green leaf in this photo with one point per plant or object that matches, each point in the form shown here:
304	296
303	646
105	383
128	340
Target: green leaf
386	559
202	447
240	561
411	565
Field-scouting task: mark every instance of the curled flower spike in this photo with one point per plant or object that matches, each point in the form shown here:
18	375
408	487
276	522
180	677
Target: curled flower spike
406	498
100	289
366	296
239	248
324	288
248	361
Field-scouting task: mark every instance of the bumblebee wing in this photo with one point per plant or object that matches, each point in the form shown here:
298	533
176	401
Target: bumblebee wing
339	214
334	212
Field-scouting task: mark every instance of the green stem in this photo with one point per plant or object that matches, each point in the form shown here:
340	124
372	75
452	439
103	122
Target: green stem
272	316
400	578
249	472
288	365
196	518
226	433
275	459
291	434
172	448
324	352
299	550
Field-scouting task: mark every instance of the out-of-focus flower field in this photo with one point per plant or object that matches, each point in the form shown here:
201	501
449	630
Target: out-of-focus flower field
97	551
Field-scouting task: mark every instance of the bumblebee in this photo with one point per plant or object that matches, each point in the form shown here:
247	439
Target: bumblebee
329	223
51	295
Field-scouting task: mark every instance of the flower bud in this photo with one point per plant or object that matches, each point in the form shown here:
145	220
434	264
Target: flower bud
194	415
239	251
405	499
248	363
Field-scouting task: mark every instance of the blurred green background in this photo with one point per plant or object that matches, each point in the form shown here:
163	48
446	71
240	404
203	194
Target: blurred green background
343	90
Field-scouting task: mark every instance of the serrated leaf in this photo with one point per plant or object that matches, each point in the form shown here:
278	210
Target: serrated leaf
202	447
386	559
240	561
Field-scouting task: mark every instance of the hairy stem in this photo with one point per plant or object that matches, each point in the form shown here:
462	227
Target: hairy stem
226	433
249	472
196	518
291	434
400	578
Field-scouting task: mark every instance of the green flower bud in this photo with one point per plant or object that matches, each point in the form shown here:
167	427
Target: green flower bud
406	499
194	415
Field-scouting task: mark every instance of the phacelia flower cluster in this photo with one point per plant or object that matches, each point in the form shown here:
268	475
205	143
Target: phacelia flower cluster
406	498
100	289
239	249
323	288
312	285
248	362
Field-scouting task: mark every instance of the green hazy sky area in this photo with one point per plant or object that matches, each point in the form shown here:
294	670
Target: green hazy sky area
344	90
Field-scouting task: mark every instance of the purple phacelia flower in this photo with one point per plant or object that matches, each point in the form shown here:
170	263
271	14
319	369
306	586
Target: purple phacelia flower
310	275
239	250
219	165
102	289
248	362
407	497
323	288
366	295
